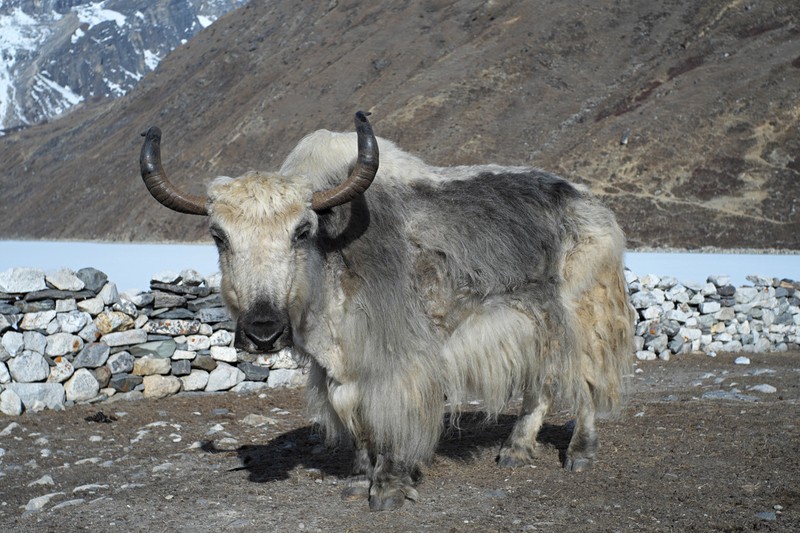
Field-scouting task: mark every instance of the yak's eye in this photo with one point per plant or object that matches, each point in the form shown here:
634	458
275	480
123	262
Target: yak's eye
219	239
302	232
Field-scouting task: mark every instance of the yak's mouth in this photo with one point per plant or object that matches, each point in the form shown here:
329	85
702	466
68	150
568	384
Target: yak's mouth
262	336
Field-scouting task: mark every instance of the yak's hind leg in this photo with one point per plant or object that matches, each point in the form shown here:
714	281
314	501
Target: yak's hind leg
357	486
392	483
584	442
521	447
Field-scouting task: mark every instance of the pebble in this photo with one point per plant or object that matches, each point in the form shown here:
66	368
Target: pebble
742	360
42	481
37	504
764	388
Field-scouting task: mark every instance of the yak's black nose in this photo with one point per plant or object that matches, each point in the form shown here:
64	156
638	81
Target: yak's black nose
261	334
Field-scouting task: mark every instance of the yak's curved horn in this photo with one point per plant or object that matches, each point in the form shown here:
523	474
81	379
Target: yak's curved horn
156	179
362	175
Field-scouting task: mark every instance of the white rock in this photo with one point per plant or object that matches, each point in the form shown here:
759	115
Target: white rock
35	342
5	375
13	342
65	280
124	338
109	293
50	395
196	343
248	387
221	337
120	363
191	277
37	321
742	360
61	372
166	276
641	355
37	504
73	321
93	306
709	307
18	280
28	367
63	344
224	353
10	403
282	359
284	377
224	377
183	354
719	280
708	289
197	380
690	334
66	305
765	388
45	480
81	386
161	386
650	281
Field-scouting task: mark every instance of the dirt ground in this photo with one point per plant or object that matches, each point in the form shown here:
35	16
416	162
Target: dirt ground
695	450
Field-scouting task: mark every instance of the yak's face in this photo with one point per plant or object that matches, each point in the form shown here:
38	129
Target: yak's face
265	231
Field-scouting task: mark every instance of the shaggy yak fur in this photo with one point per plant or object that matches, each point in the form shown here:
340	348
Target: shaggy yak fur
435	286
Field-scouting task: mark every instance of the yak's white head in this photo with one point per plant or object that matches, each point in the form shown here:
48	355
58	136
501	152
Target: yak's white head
265	228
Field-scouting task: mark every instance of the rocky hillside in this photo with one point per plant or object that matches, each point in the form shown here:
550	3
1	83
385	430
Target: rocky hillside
60	53
683	114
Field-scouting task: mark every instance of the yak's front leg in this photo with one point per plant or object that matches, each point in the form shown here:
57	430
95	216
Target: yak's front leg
357	487
392	483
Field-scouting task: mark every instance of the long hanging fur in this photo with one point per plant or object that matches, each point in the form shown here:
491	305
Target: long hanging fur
459	283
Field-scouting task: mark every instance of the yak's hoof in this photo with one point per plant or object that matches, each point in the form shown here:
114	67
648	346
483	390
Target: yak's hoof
356	489
383	498
516	456
578	464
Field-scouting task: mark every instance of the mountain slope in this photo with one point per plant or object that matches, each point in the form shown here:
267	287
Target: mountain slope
705	93
59	54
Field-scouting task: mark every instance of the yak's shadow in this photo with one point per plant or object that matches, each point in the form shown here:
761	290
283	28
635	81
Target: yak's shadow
470	437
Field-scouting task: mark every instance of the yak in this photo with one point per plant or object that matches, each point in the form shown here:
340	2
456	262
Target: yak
410	289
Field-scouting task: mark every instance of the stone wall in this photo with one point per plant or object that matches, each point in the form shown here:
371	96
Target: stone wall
69	337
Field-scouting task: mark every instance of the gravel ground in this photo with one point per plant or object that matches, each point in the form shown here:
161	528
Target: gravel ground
696	450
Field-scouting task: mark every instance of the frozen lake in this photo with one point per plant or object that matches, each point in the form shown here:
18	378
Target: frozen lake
131	265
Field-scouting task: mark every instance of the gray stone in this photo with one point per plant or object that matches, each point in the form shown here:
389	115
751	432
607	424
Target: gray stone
165	299
204	362
249	387
64	280
81	386
191	277
93	306
161	349
281	359
172	327
61	371
709	307
728	395
165	276
109	293
213	300
28	367
763	388
641	355
147	366
19	280
37	321
180	313
10	403
51	395
138	298
72	321
224	377
181	367
195	381
89	333
13	342
719	280
125	382
197	292
213	315
103	375
285	377
657	343
253	372
161	386
125	338
121	363
63	344
224	353
127	307
93	279
644	299
8	321
5	375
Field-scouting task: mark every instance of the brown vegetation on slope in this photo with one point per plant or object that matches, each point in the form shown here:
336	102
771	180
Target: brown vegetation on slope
707	94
